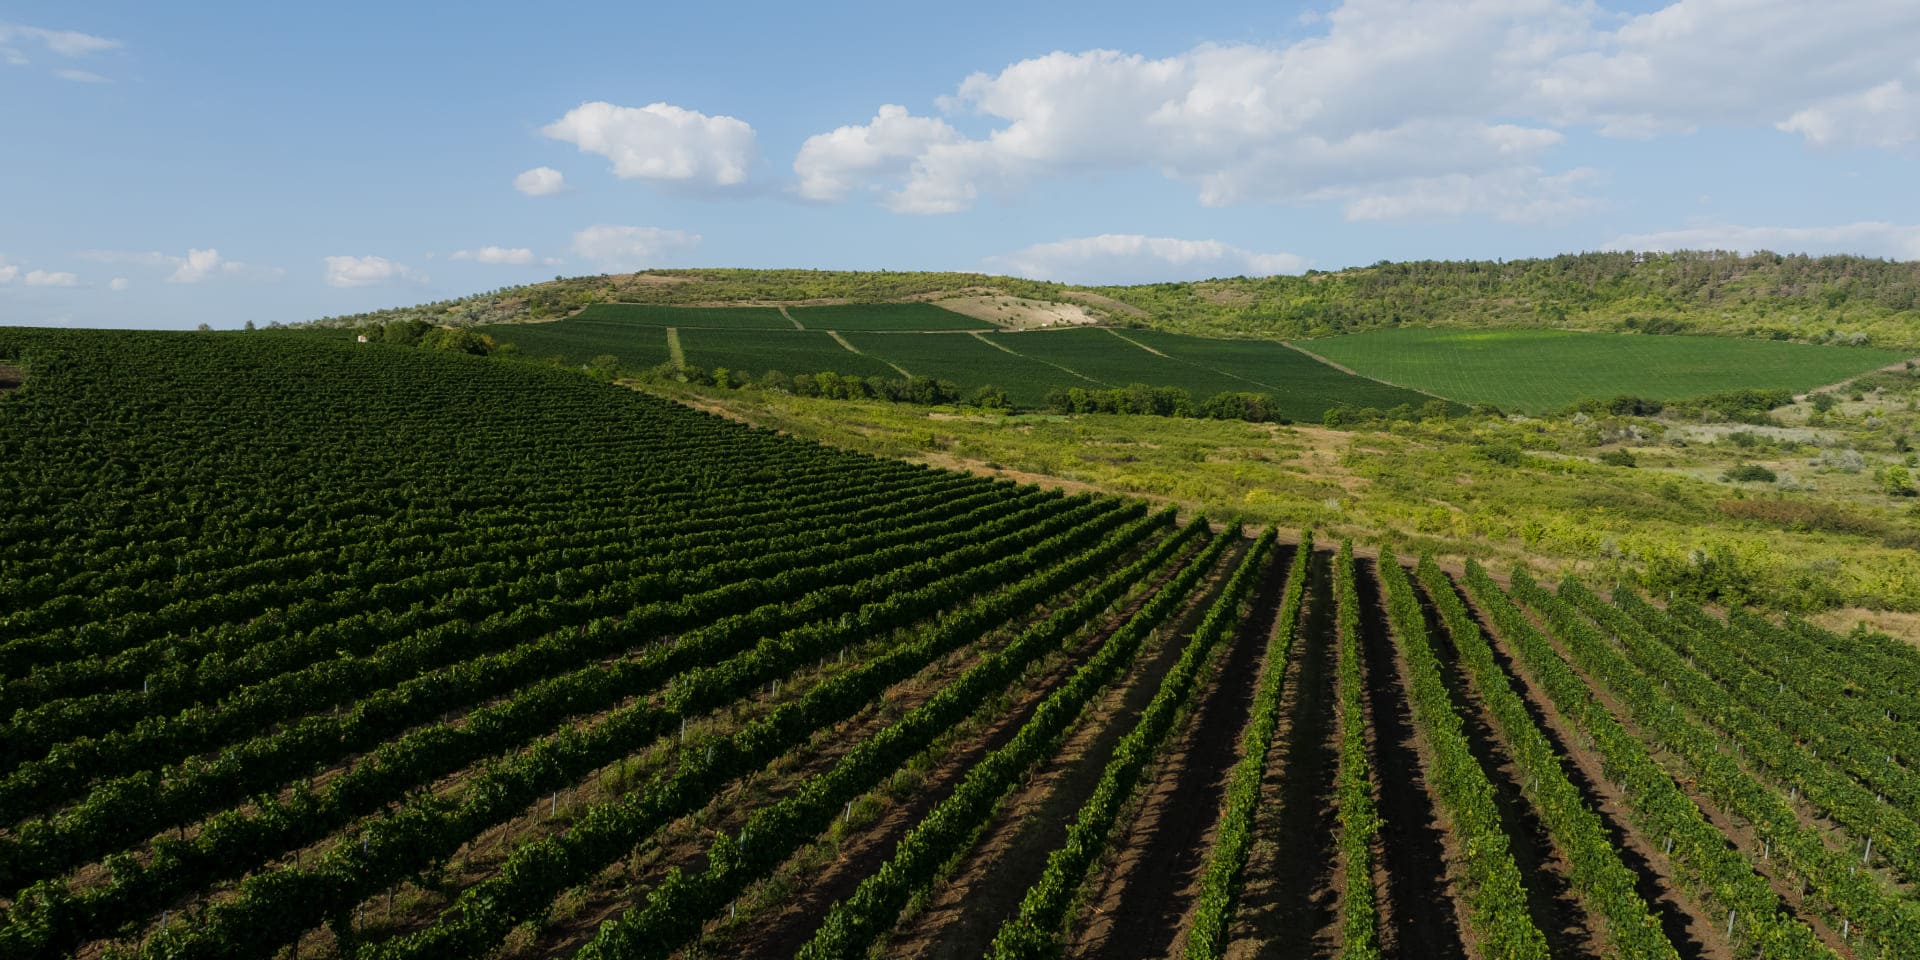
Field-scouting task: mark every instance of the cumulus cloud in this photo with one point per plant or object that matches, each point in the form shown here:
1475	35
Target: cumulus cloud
8	271
1115	258
830	165
662	143
1395	102
349	271
195	267
515	256
45	278
622	249
540	182
1885	116
1867	238
117	284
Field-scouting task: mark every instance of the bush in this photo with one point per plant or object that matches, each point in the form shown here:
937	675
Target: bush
1504	454
1619	458
1749	473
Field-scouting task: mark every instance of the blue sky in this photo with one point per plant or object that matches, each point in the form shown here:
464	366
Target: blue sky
223	162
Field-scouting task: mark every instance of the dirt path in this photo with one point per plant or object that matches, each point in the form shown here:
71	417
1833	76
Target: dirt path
1343	368
1142	905
11	378
781	932
1552	902
1288	906
1137	343
963	914
783	312
1900	366
843	341
1417	921
1690	930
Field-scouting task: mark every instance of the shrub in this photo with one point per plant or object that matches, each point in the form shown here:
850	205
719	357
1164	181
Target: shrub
1748	472
1621	457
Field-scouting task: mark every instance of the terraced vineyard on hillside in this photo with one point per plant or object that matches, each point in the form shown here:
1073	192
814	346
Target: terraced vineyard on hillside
311	648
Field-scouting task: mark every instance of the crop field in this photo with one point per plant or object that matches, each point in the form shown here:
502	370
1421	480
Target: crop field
1541	371
581	339
967	360
316	649
885	316
708	318
1305	387
790	352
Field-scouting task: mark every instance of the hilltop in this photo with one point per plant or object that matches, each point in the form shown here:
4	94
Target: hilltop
1839	299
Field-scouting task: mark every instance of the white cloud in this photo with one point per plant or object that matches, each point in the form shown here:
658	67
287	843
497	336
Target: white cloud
830	165
347	271
66	43
44	278
1131	258
1395	102
1885	116
1867	238
516	256
622	249
117	284
540	182
661	142
80	76
8	271
195	267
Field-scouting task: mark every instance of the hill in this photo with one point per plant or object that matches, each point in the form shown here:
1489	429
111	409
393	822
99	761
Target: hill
1767	296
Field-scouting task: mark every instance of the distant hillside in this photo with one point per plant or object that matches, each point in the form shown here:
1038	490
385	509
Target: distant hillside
1769	296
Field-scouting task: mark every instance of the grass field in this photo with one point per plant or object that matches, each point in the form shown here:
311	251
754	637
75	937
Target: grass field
710	318
1538	371
788	351
885	316
966	360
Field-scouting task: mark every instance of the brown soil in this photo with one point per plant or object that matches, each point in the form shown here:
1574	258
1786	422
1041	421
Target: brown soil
1553	904
963	915
11	378
1141	906
1288	905
782	931
1417	916
1689	929
1738	834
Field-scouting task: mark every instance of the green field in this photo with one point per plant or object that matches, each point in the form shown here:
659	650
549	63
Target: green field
579	340
1304	387
788	351
966	360
1538	371
885	316
710	318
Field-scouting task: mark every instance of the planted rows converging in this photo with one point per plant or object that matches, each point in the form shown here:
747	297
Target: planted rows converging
322	649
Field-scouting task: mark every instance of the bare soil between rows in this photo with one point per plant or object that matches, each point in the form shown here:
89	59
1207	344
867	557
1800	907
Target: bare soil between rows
964	913
1141	906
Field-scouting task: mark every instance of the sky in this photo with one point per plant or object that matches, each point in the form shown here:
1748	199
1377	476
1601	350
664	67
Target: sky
165	165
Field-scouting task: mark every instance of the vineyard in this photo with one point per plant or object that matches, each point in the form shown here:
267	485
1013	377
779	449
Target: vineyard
311	648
